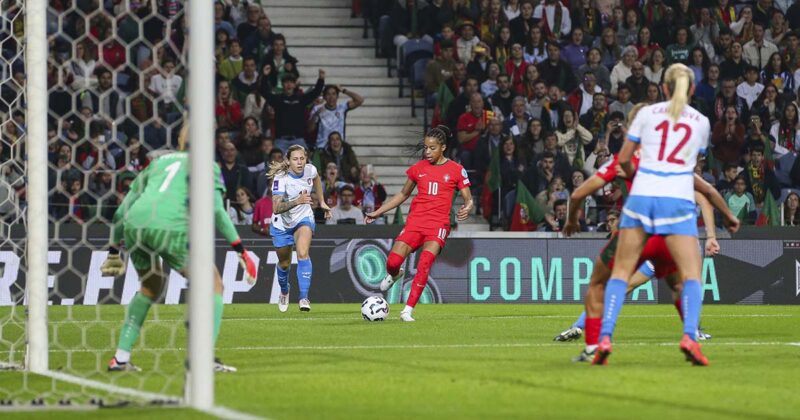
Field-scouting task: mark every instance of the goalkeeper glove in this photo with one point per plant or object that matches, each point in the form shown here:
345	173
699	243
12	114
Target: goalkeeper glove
247	263
113	265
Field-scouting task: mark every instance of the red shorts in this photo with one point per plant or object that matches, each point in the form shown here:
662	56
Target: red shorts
416	237
655	250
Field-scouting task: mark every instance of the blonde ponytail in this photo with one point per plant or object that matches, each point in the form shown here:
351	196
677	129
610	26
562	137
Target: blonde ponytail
278	169
282	168
183	136
679	79
635	111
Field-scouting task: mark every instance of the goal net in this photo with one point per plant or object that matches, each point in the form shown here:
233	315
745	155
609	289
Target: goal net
81	117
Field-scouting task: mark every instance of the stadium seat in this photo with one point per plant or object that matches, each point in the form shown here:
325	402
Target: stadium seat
417	79
413	51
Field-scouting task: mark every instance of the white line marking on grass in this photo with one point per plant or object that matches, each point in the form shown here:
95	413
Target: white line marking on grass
230	414
466	317
10	366
134	393
488	345
218	411
436	346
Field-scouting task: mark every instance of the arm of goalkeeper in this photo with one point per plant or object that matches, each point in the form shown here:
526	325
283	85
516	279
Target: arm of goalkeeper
246	262
113	266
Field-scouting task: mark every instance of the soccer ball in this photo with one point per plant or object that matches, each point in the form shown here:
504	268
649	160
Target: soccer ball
374	308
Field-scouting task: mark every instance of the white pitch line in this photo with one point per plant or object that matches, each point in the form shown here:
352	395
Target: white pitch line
434	346
218	411
354	317
230	414
134	393
489	345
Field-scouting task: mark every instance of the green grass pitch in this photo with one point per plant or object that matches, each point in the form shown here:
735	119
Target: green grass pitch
456	361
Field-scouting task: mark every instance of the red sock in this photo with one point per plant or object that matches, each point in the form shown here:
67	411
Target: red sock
424	265
393	263
679	308
592	331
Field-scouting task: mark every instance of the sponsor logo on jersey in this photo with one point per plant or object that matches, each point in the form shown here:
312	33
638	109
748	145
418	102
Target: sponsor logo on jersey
275	185
421	175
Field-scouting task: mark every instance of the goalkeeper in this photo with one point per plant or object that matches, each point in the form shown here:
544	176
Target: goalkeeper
153	221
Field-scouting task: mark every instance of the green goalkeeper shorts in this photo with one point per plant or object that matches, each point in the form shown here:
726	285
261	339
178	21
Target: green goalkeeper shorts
146	245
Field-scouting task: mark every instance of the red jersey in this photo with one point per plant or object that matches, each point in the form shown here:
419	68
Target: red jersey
467	122
656	251
436	185
608	173
262	213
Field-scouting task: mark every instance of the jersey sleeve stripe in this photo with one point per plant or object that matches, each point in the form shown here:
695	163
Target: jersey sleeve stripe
634	139
278	193
660	173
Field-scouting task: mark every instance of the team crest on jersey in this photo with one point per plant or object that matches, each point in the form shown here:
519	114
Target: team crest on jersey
275	184
446	177
310	181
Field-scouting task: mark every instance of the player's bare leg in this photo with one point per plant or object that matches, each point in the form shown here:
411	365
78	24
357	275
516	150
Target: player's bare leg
394	262
631	243
284	263
684	251
426	258
599	276
152	282
593	303
302	241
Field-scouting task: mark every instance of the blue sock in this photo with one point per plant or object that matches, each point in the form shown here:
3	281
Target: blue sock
283	280
647	269
691	303
581	322
612	305
304	277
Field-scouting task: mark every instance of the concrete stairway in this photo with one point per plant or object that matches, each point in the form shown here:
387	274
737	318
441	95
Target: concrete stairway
321	34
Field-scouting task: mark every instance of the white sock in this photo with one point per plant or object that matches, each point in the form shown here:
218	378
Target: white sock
591	348
408	309
123	356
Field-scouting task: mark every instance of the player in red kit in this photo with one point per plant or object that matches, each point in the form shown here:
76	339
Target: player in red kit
428	222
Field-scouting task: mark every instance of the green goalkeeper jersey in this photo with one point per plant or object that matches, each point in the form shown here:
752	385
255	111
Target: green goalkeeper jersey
158	199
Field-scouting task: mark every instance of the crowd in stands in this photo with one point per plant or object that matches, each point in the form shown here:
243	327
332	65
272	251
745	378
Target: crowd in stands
544	85
117	81
549	84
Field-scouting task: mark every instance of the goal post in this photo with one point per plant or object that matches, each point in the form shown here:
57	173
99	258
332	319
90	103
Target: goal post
37	218
200	389
60	318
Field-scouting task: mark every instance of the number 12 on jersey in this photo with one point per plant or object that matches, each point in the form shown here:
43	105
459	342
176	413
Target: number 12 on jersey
664	128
